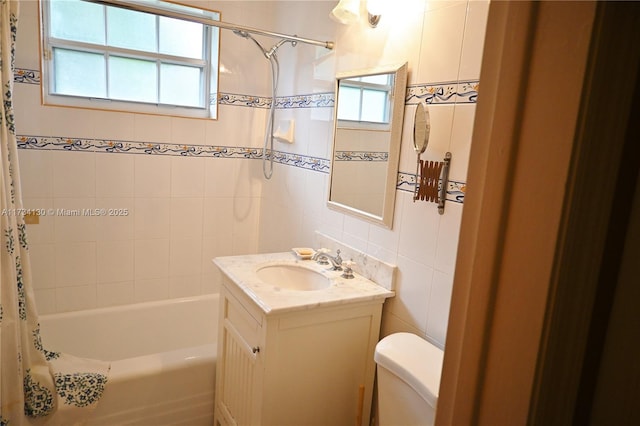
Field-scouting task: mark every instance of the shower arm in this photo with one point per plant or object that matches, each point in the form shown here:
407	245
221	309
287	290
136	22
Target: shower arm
139	7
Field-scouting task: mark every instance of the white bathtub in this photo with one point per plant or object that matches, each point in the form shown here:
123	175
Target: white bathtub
163	358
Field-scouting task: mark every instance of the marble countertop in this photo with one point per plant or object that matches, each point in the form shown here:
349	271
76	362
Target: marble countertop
241	270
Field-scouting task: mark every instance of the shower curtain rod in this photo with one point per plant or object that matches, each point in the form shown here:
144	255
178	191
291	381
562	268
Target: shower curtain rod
207	21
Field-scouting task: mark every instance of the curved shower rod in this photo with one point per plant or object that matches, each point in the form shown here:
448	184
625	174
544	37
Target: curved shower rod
207	21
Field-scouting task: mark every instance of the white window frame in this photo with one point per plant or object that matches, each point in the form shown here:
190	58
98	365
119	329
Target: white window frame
209	65
357	83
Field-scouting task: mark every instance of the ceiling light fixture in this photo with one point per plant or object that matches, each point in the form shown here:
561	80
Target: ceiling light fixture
346	12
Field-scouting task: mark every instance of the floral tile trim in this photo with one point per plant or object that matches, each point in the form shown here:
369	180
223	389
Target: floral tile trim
145	148
315	100
361	156
455	189
468	91
464	91
244	100
22	75
301	161
406	181
455	92
113	146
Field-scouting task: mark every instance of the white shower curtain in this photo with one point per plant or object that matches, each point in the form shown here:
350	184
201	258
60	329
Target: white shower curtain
37	386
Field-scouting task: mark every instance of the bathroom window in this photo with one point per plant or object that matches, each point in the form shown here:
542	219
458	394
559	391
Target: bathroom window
105	57
365	99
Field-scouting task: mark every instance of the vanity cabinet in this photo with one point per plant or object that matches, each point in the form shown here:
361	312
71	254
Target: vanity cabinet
308	366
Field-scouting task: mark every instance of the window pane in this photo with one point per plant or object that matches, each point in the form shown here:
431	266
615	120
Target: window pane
377	79
374	106
131	30
349	103
180	85
132	79
77	20
112	53
181	38
79	73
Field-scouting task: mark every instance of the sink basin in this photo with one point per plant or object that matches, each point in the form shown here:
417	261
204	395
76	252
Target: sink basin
293	277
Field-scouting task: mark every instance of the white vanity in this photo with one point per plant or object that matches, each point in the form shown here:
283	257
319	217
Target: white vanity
296	343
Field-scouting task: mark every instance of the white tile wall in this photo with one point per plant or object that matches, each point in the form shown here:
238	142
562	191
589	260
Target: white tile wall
152	259
187	176
74	228
120	226
114	175
473	42
152	218
74	174
118	293
185	211
462	128
118	125
442	41
115	261
75	264
152	176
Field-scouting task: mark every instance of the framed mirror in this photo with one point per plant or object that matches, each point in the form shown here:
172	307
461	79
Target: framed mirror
369	110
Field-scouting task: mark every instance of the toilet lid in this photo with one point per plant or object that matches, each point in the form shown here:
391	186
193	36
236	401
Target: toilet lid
413	360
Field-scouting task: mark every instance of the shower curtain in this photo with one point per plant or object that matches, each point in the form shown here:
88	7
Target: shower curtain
37	387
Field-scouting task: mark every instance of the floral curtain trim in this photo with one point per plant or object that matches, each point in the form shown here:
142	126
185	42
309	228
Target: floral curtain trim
37	386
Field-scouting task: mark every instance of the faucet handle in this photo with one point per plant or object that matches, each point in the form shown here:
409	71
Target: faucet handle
348	269
338	258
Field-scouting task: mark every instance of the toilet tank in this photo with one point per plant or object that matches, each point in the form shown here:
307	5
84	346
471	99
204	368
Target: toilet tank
409	370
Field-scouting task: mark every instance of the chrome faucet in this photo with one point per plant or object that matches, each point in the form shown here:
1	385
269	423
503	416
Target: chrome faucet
323	257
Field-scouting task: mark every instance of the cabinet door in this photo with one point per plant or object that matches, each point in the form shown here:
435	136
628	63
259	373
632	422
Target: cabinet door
239	366
319	367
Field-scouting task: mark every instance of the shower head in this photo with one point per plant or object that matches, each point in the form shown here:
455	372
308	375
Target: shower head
275	47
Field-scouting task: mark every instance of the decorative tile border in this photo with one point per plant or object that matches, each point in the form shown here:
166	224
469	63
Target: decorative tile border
243	100
454	92
361	156
302	161
443	93
468	91
406	181
22	75
465	91
315	100
455	189
49	143
128	147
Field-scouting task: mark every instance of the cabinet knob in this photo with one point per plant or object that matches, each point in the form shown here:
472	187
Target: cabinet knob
255	349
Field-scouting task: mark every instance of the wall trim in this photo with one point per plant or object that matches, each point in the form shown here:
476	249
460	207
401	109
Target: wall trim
449	92
444	93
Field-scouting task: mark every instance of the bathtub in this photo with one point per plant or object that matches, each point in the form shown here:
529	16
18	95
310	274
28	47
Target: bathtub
163	358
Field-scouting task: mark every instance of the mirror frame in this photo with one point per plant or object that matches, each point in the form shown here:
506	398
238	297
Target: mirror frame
396	126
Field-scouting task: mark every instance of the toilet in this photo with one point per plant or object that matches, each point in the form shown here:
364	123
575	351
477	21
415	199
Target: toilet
409	370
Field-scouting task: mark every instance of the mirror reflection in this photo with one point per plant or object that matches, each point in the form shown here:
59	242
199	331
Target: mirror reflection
366	146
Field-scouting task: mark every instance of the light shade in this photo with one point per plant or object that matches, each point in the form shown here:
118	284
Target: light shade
346	12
